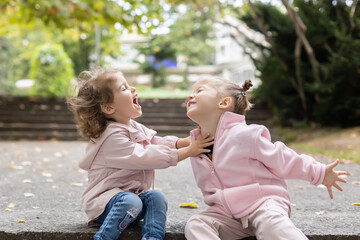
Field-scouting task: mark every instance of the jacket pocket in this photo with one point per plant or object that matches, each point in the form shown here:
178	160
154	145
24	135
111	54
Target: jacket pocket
240	198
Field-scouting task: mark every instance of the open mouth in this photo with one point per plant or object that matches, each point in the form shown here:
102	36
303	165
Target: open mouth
135	102
190	103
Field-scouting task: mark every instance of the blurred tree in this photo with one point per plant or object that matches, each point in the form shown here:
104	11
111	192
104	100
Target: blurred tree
27	24
189	37
82	14
52	70
312	67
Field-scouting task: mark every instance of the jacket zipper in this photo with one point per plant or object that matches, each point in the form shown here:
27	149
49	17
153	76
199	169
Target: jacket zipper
213	173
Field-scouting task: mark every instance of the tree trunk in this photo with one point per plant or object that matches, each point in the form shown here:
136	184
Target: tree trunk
300	29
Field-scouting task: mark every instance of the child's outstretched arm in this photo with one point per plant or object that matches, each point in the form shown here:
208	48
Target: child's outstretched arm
195	148
332	177
183	142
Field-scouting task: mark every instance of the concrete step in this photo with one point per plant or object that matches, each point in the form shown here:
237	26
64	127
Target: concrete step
54	211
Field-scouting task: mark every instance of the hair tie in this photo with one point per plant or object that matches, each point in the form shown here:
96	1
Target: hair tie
243	93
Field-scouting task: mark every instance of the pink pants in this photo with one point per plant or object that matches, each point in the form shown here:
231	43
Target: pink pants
270	221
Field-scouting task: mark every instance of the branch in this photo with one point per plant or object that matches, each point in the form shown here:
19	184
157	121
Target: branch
299	86
300	29
243	47
260	23
351	16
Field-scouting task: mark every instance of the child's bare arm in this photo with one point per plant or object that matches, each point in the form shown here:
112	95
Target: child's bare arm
183	142
332	177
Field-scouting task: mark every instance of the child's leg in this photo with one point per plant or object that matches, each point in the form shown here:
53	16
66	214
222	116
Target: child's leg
154	213
121	210
271	221
211	225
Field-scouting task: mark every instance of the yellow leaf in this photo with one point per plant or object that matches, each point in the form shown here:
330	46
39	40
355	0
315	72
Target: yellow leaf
189	205
356	204
21	221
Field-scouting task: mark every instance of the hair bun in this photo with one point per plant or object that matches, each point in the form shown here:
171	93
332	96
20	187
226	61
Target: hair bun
246	85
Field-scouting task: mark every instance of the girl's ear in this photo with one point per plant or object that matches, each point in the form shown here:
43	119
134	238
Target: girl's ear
107	109
225	103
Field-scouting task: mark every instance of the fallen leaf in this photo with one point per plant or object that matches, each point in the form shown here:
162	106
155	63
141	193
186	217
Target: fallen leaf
58	154
11	205
356	182
77	184
46	173
189	205
356	204
321	186
38	149
26	163
29	195
26	181
21	221
46	159
320	213
299	187
11	166
8	210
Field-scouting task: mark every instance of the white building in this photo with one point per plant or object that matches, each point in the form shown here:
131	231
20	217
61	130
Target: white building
231	61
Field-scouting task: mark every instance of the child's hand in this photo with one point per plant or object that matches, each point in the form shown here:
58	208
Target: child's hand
331	177
195	148
199	145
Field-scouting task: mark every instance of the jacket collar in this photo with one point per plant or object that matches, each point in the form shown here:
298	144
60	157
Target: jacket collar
227	120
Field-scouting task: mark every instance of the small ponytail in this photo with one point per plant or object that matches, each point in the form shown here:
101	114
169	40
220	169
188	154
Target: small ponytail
238	94
246	85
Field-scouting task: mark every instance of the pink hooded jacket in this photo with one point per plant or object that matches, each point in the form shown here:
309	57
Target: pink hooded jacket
247	168
122	159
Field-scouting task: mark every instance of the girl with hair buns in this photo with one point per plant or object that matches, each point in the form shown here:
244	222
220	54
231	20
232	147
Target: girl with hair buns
121	156
242	179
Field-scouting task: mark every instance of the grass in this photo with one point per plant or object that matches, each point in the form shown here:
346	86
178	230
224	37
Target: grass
333	142
148	92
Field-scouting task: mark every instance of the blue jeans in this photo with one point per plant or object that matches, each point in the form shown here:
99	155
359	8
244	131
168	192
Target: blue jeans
125	207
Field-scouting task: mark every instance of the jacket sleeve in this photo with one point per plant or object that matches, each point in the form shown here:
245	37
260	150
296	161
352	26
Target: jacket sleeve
285	162
119	151
169	141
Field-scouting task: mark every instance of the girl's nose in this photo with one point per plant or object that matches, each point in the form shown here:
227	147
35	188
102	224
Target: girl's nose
191	96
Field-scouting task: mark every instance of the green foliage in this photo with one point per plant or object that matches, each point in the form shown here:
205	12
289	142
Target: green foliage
51	68
82	14
24	25
335	100
188	37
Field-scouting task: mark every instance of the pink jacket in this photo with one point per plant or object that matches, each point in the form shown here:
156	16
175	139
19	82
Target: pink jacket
122	159
247	168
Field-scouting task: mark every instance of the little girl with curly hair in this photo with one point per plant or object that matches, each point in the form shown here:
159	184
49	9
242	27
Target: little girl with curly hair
121	156
242	179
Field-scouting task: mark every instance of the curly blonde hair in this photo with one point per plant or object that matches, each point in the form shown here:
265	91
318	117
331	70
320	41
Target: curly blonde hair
94	88
226	88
